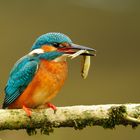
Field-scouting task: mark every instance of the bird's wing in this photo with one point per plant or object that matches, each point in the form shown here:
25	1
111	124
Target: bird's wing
20	76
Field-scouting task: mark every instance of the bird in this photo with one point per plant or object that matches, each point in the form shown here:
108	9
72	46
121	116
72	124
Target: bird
37	77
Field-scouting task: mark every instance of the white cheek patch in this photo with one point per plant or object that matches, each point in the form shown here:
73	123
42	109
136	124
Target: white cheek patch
36	51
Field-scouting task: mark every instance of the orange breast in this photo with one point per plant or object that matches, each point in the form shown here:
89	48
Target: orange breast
45	85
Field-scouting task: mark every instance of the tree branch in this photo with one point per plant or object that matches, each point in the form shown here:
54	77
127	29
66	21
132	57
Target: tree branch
78	117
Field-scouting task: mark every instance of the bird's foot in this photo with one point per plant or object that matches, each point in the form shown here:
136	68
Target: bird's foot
53	107
27	110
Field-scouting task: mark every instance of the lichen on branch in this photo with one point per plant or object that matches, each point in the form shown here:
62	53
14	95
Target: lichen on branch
78	117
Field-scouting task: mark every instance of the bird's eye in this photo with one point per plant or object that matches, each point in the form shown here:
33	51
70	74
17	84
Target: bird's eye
57	45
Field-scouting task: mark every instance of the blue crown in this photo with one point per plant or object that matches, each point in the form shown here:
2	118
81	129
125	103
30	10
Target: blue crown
50	38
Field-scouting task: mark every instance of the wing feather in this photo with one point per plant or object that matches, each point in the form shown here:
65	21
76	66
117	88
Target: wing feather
20	76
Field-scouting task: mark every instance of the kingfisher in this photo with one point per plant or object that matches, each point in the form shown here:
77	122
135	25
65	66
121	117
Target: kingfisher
37	77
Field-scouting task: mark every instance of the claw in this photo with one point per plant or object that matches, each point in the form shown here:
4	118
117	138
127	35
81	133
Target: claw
53	107
27	110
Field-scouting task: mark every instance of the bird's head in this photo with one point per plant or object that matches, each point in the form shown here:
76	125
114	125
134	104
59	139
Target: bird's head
57	42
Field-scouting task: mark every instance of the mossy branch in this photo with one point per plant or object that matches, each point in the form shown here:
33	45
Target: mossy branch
78	117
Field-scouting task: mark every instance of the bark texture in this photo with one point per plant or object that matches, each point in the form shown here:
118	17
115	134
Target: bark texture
78	117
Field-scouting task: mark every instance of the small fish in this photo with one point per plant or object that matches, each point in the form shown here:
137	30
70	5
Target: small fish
85	65
72	56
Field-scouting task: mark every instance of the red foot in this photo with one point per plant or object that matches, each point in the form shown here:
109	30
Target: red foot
27	110
53	107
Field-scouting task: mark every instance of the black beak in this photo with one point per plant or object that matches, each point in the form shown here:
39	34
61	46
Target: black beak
79	47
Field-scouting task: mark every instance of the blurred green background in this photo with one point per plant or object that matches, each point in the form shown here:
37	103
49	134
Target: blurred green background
112	27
